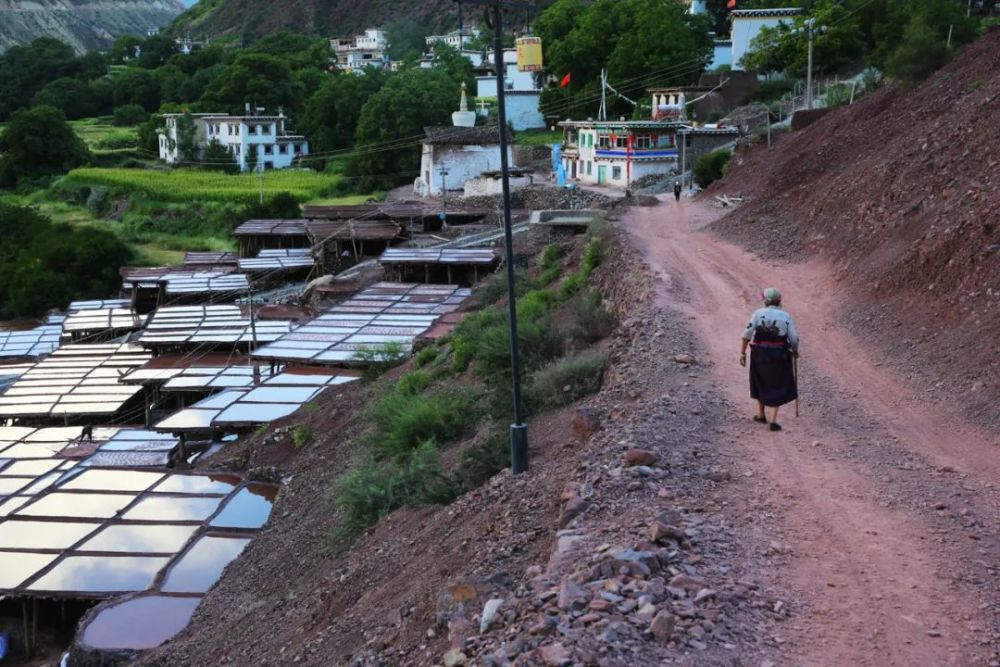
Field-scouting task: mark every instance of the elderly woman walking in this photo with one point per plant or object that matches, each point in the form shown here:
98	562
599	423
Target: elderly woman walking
774	346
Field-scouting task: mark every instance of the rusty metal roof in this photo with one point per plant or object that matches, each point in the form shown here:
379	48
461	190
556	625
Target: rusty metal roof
457	256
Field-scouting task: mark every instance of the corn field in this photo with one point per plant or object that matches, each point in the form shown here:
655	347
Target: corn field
183	185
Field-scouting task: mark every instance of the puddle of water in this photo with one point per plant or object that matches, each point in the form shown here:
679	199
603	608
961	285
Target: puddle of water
16	567
139	623
101	574
140	539
112	480
43	534
84	505
249	508
199	568
198	484
166	508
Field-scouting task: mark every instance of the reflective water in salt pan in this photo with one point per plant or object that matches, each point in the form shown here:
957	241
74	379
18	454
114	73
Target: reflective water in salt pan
249	508
101	574
199	568
89	505
55	535
167	508
139	623
198	484
112	480
17	567
140	539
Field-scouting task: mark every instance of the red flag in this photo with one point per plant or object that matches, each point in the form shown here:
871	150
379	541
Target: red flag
731	4
565	81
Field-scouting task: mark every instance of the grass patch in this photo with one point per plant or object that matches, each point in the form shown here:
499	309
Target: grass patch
185	185
403	421
376	489
566	380
101	136
302	436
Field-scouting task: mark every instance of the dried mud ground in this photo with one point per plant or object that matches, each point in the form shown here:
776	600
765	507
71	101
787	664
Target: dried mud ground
658	524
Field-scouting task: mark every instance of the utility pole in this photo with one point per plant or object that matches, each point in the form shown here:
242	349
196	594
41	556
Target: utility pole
518	430
444	194
810	29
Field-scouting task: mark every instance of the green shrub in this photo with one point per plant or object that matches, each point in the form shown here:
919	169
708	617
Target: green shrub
591	257
711	167
413	383
601	230
302	436
535	304
573	284
592	321
566	380
482	461
539	341
838	95
495	288
425	356
550	263
374	490
467	333
378	359
403	421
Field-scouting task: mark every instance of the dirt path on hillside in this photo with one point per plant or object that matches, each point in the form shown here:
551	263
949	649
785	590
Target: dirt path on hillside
883	508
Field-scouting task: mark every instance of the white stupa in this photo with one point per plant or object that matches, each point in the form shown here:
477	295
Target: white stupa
463	117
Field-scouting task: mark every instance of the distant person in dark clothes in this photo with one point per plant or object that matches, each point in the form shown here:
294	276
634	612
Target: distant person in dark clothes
774	344
677	190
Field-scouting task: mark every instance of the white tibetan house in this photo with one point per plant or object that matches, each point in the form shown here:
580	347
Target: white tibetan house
451	156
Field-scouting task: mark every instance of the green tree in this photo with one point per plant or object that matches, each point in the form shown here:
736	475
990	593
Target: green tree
217	157
126	48
406	39
331	116
920	53
639	42
172	82
260	79
39	142
156	51
130	114
45	266
838	42
187	138
408	102
72	96
24	70
136	86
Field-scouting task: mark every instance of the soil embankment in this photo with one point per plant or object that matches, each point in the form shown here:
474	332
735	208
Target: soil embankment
901	193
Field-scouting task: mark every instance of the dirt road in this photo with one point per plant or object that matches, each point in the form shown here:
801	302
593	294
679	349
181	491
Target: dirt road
881	508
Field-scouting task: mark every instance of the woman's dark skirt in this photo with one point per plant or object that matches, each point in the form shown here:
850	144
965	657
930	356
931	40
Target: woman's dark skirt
772	380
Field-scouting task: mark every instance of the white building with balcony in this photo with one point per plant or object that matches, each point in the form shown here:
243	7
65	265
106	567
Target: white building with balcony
265	137
456	39
369	49
617	153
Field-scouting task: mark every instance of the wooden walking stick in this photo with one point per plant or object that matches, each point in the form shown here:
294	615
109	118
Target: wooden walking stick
795	374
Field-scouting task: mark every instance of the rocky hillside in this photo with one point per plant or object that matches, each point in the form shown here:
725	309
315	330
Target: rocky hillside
900	191
84	24
252	18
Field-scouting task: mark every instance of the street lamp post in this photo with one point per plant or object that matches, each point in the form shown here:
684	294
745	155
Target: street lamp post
518	430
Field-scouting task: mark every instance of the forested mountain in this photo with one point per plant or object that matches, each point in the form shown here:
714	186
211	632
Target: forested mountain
83	24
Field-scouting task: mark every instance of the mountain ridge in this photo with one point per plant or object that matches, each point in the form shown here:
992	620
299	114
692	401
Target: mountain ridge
83	24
